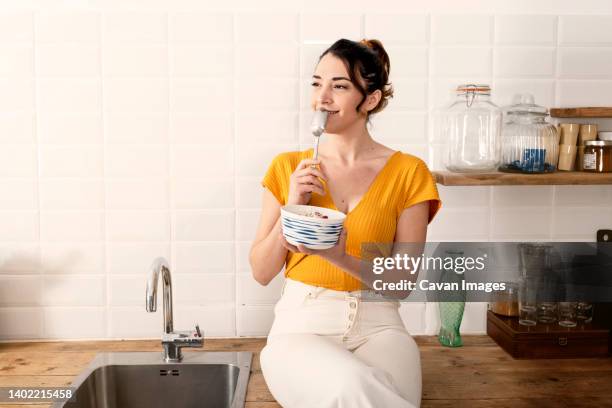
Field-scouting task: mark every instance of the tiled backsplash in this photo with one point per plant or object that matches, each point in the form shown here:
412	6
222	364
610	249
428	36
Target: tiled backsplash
130	135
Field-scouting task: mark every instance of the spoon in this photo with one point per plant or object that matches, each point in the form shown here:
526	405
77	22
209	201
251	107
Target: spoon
317	128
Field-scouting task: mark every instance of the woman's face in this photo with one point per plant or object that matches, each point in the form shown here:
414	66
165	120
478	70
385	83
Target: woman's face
333	91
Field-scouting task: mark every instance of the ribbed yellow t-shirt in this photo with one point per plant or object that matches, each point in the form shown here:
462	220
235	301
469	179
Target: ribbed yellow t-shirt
404	181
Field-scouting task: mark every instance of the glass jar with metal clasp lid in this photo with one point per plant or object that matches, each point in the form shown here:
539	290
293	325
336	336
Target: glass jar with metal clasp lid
529	143
471	126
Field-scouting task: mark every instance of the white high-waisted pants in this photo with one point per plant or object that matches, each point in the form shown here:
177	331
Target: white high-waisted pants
330	349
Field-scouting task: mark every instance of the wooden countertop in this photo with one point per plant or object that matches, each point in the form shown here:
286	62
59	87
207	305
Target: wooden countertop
479	374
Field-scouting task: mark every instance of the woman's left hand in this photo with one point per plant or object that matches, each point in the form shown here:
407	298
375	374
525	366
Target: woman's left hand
334	254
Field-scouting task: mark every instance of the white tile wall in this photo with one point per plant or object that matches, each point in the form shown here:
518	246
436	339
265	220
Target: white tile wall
16	95
68	60
19	194
67	128
203	257
206	128
122	323
323	27
526	223
16	60
198	60
202	193
67	27
71	225
20	226
135	95
135	60
65	193
579	224
531	30
249	62
137	225
132	257
543	90
585	92
74	95
127	135
408	60
209	225
469	61
59	322
20	258
461	30
135	27
397	28
585	30
16	27
73	290
517	62
17	127
71	161
21	291
198	27
266	28
72	257
199	95
18	323
588	63
254	320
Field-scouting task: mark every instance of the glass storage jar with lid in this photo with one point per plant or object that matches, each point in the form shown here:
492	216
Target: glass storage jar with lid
597	156
471	125
529	143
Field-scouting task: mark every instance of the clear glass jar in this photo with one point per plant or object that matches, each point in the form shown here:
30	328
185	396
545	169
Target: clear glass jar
471	126
597	156
529	143
505	302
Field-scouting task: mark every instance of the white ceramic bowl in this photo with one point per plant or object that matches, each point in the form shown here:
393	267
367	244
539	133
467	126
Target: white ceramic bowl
313	232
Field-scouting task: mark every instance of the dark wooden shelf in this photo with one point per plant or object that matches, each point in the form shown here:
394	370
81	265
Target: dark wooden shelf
447	178
590	112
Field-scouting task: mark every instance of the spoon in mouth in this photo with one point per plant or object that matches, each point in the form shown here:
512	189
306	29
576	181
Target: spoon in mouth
317	128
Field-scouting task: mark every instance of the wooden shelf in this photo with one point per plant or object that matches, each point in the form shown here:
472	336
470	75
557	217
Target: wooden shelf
594	112
559	178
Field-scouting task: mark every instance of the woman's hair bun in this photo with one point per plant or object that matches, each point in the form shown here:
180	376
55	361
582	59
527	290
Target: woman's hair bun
380	51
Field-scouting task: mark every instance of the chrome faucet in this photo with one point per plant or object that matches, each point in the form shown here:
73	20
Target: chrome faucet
172	341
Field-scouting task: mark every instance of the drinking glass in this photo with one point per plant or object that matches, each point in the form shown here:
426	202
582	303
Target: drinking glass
527	302
584	312
567	314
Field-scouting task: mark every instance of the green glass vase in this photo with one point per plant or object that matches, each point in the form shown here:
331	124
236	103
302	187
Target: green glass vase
451	314
451	305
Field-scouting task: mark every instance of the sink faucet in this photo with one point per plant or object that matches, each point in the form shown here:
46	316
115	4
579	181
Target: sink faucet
172	341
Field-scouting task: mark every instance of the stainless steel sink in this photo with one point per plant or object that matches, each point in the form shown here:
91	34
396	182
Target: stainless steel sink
144	379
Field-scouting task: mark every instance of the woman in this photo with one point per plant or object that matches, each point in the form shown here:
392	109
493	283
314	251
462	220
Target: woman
328	347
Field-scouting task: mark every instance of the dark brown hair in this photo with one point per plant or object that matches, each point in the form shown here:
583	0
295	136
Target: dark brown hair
365	61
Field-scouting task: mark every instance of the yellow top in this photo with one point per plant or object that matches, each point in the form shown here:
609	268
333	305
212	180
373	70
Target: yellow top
404	181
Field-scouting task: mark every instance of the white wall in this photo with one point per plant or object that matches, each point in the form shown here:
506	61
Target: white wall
130	132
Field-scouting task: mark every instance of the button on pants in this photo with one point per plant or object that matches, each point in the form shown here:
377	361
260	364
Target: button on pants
331	349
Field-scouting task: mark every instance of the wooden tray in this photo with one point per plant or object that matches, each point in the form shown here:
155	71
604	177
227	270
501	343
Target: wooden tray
548	340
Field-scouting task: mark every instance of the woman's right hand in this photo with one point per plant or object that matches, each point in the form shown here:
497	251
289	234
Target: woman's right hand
304	181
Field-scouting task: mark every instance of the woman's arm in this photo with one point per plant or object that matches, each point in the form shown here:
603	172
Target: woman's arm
267	255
